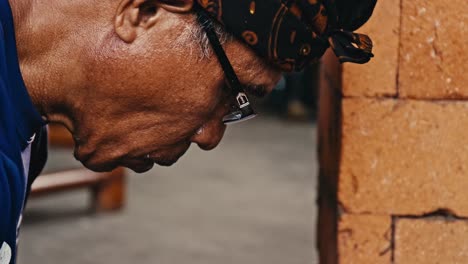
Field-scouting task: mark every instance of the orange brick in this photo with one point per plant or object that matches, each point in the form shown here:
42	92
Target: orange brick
431	241
379	76
364	239
404	157
433	49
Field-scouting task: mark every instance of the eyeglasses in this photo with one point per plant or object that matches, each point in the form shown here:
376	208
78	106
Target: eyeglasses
242	109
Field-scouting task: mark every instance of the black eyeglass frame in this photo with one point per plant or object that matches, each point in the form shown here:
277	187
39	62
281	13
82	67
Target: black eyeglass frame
244	110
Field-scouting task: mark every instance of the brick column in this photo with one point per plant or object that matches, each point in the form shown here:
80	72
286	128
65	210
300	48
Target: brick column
393	141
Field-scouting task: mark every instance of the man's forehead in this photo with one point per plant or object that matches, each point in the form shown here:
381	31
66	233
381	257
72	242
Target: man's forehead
291	33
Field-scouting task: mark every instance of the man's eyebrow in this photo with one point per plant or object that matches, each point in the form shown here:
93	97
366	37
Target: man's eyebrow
256	90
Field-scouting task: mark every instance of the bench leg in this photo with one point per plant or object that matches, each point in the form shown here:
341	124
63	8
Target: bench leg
109	194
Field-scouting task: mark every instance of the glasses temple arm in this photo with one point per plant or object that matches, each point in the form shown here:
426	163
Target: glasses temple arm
208	26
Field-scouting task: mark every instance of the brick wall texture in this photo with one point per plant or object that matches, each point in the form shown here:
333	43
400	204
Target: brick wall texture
393	141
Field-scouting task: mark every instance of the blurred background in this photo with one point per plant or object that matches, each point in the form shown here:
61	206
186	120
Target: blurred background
252	200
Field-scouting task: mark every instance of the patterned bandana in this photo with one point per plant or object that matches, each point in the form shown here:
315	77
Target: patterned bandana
294	33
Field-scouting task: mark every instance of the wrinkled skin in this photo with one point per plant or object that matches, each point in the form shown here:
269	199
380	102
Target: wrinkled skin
110	73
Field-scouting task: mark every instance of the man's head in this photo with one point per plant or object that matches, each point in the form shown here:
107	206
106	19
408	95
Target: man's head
156	89
135	81
144	86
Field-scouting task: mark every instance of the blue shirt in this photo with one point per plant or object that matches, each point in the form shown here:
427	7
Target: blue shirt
19	121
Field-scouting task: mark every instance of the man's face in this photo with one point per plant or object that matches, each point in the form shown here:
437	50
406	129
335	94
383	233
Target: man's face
149	100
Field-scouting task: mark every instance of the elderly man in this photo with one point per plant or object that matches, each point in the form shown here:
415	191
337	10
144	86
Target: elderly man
137	81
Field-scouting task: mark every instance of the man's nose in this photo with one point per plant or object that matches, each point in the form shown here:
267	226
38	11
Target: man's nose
210	134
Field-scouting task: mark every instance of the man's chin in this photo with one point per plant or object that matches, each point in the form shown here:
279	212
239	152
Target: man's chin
136	166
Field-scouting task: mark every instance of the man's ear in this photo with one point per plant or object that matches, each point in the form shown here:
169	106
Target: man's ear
137	16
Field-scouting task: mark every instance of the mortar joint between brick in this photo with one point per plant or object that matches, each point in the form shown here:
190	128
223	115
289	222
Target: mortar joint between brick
444	213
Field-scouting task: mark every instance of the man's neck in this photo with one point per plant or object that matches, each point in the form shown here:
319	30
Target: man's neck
53	39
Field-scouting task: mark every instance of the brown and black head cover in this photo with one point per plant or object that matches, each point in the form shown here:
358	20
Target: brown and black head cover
294	33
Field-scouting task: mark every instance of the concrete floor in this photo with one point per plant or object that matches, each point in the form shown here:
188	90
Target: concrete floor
250	201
